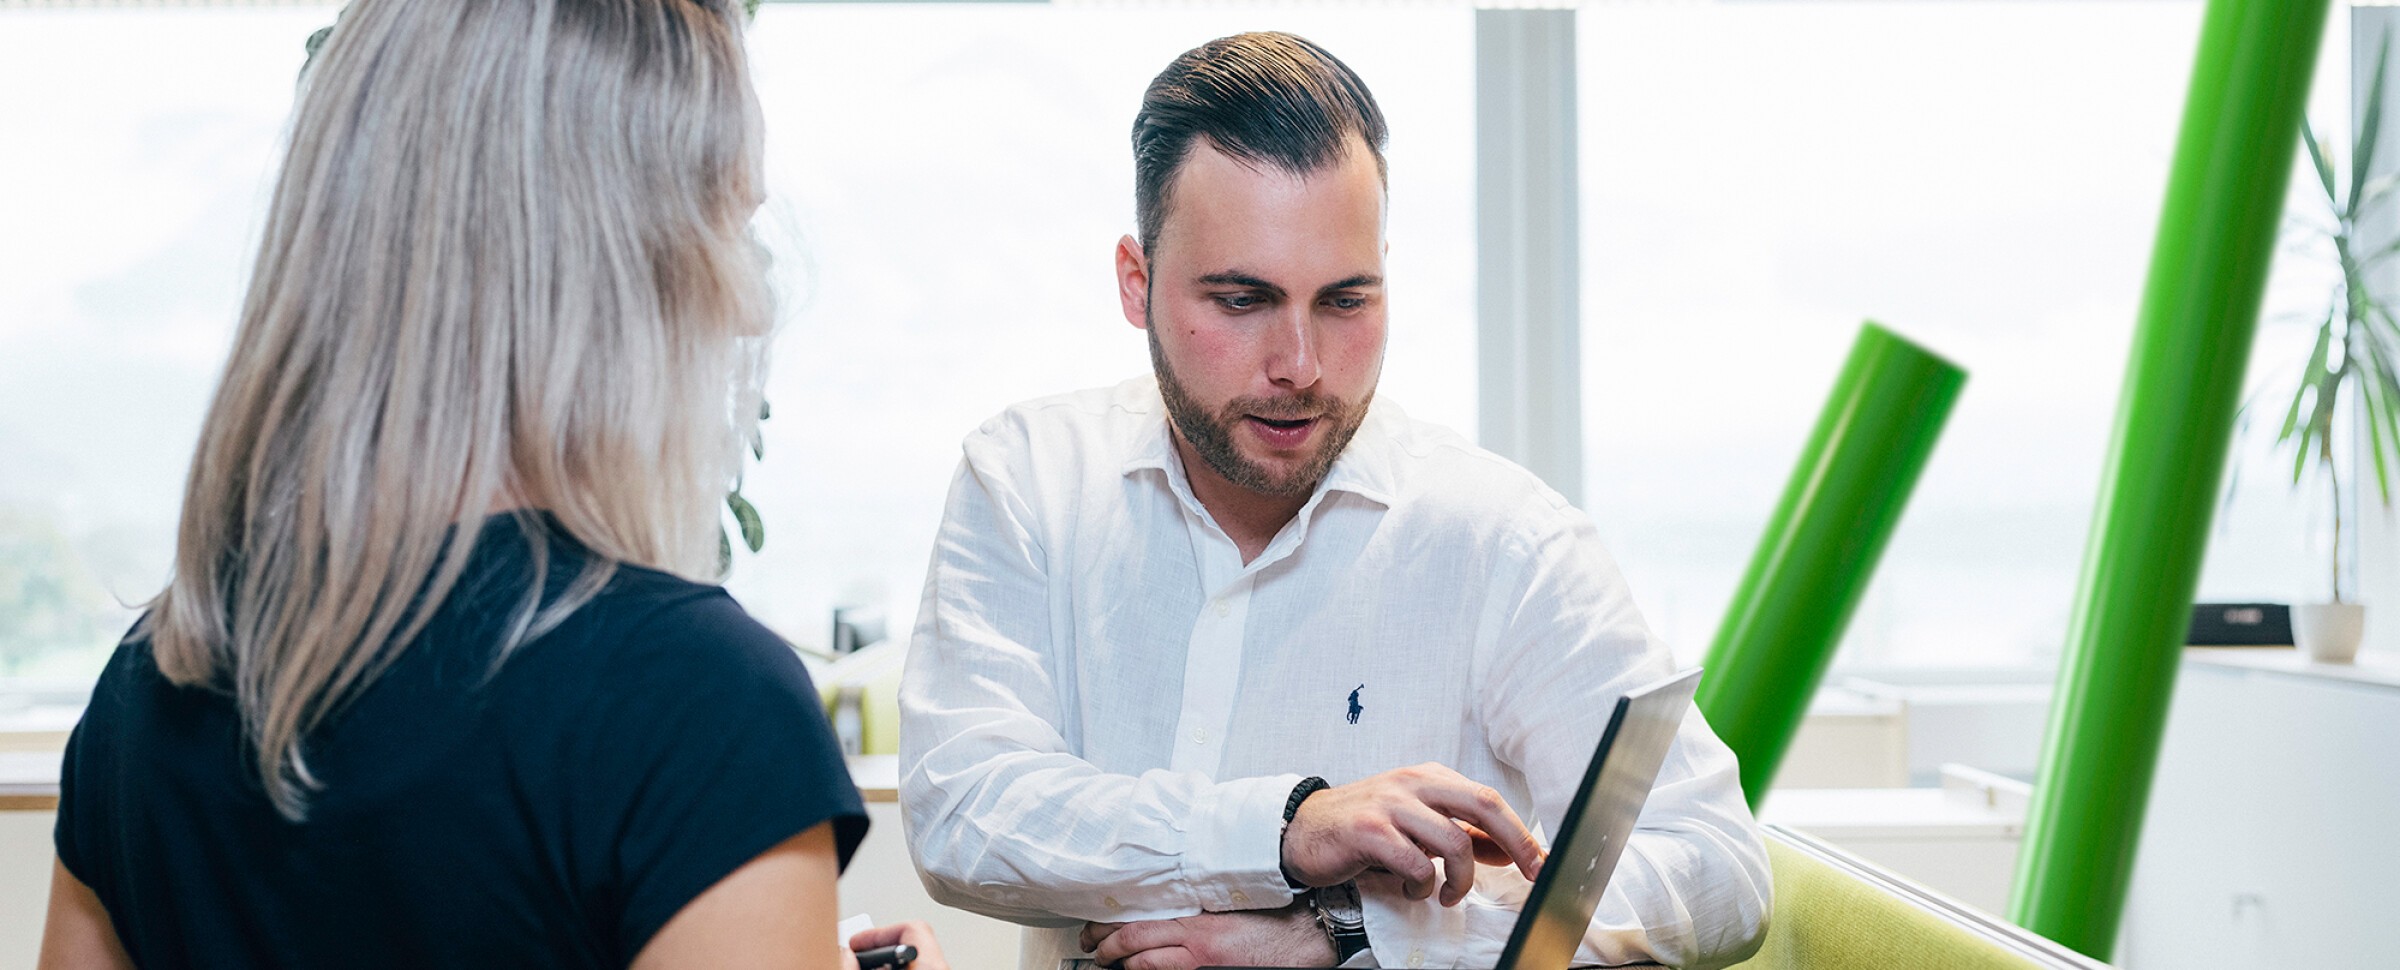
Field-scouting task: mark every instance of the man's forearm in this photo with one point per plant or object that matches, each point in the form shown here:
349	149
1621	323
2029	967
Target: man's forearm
1046	839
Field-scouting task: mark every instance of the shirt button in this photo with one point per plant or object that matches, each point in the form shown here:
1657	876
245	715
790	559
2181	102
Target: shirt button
1239	899
1224	609
1111	903
1199	735
1416	957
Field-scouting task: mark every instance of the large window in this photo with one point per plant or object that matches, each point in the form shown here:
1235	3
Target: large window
1983	177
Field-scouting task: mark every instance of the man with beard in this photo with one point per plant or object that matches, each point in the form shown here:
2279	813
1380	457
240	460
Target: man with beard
1235	664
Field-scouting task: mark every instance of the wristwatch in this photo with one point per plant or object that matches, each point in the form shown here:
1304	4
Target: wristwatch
1342	918
1291	809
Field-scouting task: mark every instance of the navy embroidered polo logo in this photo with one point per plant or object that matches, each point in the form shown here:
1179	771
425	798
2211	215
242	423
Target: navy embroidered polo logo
1355	706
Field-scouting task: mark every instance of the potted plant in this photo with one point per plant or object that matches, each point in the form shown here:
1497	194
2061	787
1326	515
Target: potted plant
2356	362
745	515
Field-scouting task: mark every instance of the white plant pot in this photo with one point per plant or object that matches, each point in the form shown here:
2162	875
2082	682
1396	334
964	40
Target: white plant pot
2328	633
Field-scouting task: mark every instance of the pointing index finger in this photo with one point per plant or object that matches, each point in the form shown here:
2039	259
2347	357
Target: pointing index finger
1487	814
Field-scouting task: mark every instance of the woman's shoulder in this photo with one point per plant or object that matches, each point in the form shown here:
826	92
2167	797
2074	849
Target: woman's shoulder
650	640
132	680
657	616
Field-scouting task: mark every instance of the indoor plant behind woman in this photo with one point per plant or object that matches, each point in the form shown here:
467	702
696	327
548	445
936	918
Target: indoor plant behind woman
441	679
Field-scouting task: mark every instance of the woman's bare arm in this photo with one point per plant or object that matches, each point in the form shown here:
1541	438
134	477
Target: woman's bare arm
77	935
777	910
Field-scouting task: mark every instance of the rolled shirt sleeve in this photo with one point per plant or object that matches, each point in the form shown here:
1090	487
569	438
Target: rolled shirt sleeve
1003	818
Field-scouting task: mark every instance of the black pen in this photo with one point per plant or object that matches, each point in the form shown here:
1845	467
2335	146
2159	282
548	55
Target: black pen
887	956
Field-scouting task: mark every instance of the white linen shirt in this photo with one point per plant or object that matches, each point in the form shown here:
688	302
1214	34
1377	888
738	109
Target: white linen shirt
1105	709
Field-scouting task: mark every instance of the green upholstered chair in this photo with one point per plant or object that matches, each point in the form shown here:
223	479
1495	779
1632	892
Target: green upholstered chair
1836	912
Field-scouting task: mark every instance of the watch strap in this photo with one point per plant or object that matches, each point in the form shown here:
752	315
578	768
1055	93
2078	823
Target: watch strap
1343	919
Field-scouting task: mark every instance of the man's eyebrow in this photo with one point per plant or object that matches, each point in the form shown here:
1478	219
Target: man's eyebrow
1241	279
1360	282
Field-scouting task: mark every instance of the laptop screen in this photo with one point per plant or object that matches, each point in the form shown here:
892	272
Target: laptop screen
1597	823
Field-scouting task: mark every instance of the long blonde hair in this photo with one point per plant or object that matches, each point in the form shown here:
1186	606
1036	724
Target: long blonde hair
506	265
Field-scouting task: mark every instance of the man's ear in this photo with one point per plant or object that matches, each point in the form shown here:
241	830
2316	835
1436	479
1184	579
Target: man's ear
1133	282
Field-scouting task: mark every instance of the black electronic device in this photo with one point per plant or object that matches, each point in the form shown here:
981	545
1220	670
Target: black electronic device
886	956
2240	625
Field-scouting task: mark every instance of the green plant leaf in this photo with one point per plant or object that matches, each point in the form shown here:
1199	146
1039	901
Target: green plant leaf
2300	445
2386	438
2370	125
2382	395
2316	155
2316	365
2319	428
2377	313
2373	402
2378	409
754	531
2377	188
2380	255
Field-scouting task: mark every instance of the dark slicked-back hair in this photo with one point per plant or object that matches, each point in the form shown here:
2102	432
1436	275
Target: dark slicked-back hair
1266	99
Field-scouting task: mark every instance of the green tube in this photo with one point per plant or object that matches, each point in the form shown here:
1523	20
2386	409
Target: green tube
1812	566
2208	270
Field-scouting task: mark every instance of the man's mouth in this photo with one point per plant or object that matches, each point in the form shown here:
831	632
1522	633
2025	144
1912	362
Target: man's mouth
1283	433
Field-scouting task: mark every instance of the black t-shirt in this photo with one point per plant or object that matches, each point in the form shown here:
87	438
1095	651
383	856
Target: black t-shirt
555	815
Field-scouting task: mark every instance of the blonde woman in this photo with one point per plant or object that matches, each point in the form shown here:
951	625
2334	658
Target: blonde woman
441	679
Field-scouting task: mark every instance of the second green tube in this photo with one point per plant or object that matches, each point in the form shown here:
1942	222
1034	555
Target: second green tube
1820	549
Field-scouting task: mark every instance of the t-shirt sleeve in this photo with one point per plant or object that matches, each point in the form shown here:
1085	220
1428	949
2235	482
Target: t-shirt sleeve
713	750
67	833
87	779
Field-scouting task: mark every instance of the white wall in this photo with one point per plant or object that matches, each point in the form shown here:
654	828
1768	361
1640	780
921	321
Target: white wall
25	858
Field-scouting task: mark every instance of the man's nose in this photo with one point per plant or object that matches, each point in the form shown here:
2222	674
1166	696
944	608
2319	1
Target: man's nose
1292	351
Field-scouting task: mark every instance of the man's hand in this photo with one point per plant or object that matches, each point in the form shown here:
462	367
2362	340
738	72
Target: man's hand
1287	937
1399	822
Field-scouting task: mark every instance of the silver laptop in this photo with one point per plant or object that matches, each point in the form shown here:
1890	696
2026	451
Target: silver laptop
1598	822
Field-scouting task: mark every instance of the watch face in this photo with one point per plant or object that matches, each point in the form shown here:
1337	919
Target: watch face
1341	906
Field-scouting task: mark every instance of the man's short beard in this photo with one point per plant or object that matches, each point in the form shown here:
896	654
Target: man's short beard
1212	435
